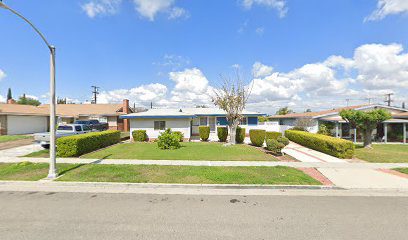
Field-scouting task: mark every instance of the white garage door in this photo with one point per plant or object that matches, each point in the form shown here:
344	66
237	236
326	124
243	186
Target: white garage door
26	124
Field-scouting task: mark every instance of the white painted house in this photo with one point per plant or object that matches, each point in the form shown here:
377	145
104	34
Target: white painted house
186	120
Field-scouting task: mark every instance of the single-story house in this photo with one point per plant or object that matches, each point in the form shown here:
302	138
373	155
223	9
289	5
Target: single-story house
186	120
394	129
105	113
22	119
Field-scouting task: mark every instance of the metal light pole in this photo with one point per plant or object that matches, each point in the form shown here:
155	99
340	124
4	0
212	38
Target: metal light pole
53	167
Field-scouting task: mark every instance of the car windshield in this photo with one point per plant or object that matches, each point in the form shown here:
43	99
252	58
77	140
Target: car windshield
81	122
65	128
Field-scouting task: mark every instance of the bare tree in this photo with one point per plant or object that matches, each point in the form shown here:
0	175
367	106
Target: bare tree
232	97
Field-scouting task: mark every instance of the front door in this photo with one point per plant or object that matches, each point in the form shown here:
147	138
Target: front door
212	122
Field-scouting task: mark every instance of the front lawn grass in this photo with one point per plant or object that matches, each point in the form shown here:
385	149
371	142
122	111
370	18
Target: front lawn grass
402	170
383	153
26	171
188	151
41	154
9	138
189	175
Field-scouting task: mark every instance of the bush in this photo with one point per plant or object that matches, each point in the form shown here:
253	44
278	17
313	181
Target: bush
168	140
333	146
204	132
299	129
283	140
180	135
74	146
139	135
274	146
222	133
272	135
240	135
257	137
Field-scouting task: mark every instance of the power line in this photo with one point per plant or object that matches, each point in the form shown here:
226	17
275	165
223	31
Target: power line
95	93
388	99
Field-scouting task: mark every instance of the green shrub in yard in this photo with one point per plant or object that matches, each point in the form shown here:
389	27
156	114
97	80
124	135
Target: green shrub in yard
139	135
180	135
330	145
257	137
283	140
204	132
168	140
222	133
274	146
272	135
74	146
240	135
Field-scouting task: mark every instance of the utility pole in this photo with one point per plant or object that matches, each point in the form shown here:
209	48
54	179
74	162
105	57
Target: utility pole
388	98
151	105
347	101
95	93
369	100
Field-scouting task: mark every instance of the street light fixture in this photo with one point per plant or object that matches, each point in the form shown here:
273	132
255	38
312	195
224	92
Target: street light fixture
53	168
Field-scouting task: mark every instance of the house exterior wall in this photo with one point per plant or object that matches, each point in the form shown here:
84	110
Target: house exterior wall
176	124
26	124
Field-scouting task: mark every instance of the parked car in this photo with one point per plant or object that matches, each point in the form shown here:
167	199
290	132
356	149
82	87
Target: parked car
95	125
62	131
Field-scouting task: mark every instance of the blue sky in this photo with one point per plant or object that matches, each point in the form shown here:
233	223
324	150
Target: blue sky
298	53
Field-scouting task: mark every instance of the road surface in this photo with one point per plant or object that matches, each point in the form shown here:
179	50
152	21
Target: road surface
42	215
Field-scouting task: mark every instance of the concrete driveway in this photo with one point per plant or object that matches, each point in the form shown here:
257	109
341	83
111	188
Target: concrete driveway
20	151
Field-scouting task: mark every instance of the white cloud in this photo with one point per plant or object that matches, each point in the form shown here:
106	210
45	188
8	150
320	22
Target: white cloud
2	99
279	5
173	61
260	31
388	7
2	75
261	70
139	95
191	87
150	8
94	8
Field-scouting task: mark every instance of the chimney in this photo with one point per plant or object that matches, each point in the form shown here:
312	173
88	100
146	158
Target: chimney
126	126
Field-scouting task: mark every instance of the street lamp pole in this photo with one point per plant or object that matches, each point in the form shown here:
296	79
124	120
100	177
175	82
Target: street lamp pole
53	167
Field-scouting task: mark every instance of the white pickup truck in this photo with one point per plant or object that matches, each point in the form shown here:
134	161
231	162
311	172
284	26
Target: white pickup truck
62	131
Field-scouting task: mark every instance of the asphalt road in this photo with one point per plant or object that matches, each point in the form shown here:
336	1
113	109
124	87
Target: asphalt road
41	215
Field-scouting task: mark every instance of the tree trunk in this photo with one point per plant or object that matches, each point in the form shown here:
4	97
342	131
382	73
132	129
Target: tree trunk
367	138
233	132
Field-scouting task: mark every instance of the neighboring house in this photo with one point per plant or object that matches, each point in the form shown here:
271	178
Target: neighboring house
394	129
22	119
106	113
186	120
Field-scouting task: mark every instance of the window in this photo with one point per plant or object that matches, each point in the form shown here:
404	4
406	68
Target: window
65	128
203	121
243	121
159	125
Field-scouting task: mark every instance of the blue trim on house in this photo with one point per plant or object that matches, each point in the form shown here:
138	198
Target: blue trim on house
223	115
222	121
252	121
154	117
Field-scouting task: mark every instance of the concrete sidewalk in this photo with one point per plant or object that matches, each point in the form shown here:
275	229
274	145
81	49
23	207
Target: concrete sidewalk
305	154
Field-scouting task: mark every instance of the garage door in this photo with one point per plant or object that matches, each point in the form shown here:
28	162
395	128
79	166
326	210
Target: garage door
26	124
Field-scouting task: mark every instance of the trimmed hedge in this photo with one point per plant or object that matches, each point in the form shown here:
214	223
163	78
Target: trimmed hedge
272	135
283	140
180	135
204	132
168	140
139	135
333	146
240	135
257	137
222	133
274	146
77	145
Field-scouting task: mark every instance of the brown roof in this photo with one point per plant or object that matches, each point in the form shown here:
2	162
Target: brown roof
404	115
314	114
17	109
75	110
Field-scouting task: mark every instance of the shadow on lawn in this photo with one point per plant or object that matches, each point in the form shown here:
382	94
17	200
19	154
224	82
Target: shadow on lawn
71	168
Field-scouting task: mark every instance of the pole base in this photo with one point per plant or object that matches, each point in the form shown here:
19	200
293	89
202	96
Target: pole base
52	175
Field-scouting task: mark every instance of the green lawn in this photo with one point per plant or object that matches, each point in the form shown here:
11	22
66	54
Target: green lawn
189	175
27	171
188	151
402	170
9	138
383	153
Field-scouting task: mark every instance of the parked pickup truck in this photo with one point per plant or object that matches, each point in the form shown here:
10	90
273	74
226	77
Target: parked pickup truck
62	131
93	124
